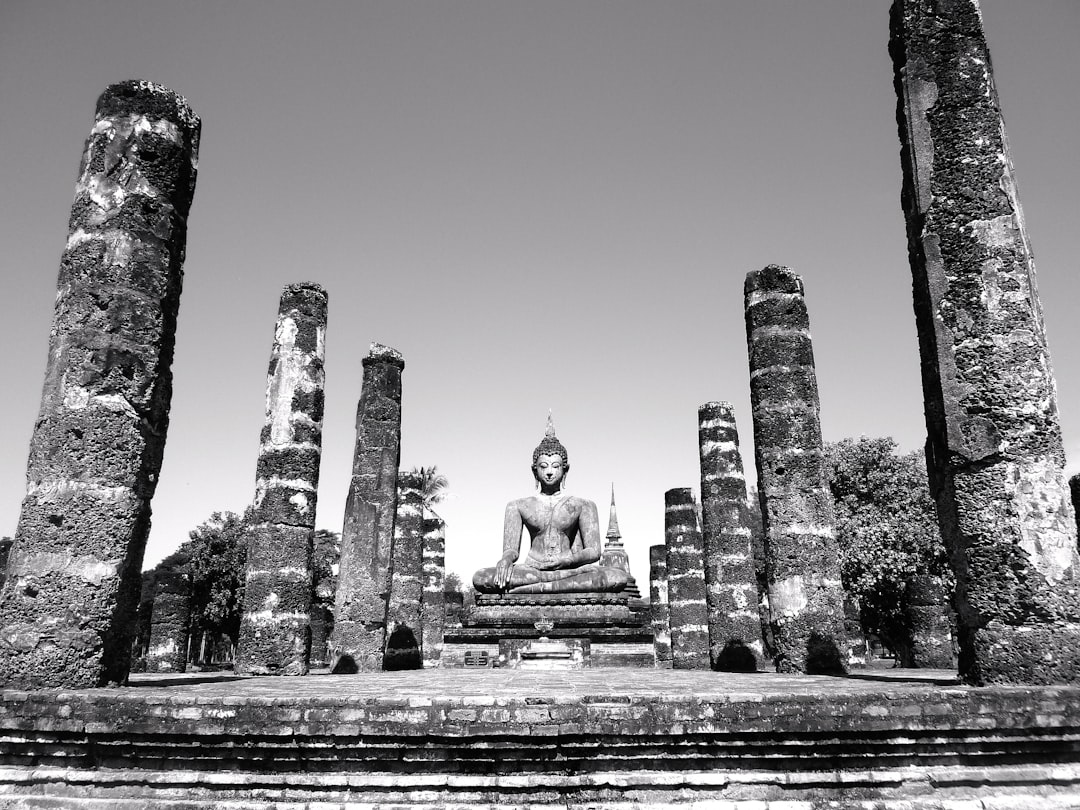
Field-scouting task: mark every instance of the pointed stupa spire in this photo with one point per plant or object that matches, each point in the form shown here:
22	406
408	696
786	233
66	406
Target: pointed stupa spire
613	535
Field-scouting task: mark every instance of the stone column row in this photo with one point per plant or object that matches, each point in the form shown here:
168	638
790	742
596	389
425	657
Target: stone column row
67	608
403	631
731	590
367	537
275	627
805	594
433	600
659	608
686	582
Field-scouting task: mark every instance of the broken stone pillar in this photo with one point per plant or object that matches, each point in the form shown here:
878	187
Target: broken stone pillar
403	631
433	601
367	536
731	593
275	626
806	599
686	582
928	618
659	611
994	446
169	621
67	609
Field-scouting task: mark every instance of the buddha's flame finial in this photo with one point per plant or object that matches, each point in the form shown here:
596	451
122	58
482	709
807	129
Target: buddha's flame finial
549	432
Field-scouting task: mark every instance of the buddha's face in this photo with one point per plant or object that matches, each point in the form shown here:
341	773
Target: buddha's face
549	470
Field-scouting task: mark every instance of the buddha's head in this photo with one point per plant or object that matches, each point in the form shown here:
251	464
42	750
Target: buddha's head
550	462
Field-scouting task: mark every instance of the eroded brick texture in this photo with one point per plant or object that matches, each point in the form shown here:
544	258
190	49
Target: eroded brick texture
404	634
731	593
687	613
169	620
659	610
67	610
802	560
275	627
994	446
433	600
367	536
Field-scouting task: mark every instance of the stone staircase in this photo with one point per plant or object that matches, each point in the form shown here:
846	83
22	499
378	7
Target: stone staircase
599	738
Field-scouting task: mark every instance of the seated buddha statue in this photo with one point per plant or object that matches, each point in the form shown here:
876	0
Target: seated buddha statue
564	533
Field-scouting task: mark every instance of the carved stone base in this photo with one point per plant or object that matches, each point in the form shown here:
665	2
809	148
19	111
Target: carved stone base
577	610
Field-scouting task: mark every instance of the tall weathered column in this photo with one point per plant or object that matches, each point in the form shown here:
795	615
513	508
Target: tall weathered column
686	582
806	599
994	445
367	537
403	632
731	592
169	620
275	627
68	606
433	600
659	610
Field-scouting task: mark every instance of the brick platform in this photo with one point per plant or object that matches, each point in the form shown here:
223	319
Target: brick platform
583	739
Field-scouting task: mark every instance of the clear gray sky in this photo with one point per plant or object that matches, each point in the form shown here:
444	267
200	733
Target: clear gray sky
543	204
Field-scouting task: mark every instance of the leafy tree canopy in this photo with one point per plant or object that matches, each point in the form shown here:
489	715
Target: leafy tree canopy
886	527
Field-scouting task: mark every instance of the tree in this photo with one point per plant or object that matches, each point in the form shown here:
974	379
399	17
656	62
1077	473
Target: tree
433	487
217	554
888	535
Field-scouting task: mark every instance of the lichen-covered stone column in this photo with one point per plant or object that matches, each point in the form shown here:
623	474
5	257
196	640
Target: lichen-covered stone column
994	446
659	610
433	600
806	599
67	609
731	592
367	537
403	631
275	626
686	582
169	621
